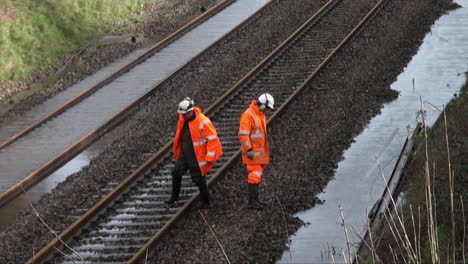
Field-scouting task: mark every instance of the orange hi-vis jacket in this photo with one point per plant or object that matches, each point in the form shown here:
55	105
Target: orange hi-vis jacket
253	135
206	144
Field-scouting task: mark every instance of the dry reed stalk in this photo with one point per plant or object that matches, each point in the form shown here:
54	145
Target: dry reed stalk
434	202
212	232
451	179
372	248
428	190
393	254
448	251
405	246
146	256
356	258
398	238
344	257
346	233
463	241
286	228
50	229
419	231
406	242
416	249
402	216
61	252
34	237
369	231
331	253
378	239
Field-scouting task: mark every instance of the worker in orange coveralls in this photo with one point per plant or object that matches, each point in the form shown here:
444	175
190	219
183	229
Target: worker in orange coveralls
196	148
254	144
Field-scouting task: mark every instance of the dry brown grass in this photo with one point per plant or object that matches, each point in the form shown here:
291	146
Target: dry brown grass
435	176
5	13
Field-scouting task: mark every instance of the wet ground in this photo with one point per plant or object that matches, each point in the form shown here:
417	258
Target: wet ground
40	104
433	75
308	141
44	143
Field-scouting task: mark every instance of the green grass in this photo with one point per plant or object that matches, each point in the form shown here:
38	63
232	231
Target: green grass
36	33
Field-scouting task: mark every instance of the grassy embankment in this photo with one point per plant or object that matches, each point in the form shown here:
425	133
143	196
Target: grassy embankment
426	239
35	34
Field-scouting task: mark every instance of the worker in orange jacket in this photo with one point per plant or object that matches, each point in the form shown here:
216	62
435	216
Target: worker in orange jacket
254	144
196	148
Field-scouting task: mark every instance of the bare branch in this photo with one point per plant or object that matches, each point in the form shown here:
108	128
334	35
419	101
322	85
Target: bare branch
50	229
286	228
212	232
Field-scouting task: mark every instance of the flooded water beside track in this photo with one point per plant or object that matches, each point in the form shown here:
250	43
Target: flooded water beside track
34	149
434	74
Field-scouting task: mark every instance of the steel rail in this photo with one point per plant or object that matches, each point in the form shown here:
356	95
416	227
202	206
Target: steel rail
155	48
99	207
93	136
72	151
328	59
268	58
139	256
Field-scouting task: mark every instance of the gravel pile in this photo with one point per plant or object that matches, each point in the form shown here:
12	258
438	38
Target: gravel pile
307	141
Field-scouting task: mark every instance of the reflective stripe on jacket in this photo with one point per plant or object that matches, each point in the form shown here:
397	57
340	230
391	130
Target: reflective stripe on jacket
205	140
253	134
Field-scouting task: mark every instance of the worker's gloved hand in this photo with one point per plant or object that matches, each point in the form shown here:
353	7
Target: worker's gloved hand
250	154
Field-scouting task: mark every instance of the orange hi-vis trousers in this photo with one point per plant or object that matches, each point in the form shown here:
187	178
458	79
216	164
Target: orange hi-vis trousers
255	173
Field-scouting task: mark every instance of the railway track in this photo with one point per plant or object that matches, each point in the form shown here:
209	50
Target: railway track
157	47
67	148
128	222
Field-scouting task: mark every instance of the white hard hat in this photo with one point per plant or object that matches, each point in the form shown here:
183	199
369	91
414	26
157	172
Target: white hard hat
186	106
266	100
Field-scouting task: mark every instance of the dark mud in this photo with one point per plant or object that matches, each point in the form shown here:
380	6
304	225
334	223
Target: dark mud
307	141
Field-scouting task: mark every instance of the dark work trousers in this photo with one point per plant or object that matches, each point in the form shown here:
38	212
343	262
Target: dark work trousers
181	166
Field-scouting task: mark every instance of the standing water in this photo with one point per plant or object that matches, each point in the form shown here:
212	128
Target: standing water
47	141
435	74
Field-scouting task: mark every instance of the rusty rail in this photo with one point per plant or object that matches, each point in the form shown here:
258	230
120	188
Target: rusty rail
122	187
158	236
155	48
139	256
69	153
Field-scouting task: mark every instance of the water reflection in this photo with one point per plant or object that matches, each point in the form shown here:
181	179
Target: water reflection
435	74
28	153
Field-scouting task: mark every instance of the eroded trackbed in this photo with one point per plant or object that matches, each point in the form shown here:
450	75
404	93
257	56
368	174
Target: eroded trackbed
132	217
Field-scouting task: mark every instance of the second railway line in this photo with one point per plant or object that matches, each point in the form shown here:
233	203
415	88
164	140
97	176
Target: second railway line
118	161
290	62
170	90
50	142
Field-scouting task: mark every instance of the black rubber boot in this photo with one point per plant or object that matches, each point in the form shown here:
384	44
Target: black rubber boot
253	197
258	200
204	201
176	183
